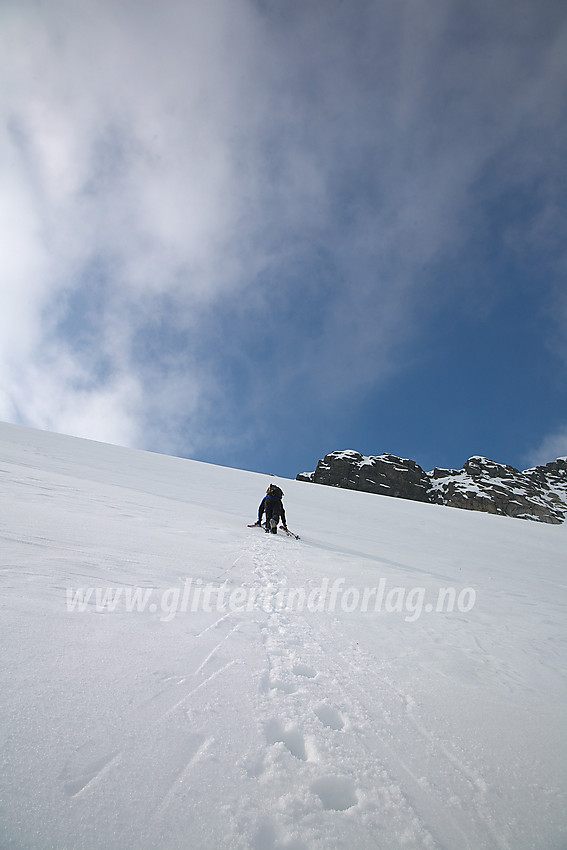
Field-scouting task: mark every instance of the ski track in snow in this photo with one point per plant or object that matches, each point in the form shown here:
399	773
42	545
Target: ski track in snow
89	762
347	763
317	736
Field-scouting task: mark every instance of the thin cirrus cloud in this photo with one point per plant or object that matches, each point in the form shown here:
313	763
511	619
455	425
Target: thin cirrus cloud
209	206
553	445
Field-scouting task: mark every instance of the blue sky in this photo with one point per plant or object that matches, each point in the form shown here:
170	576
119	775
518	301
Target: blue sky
252	233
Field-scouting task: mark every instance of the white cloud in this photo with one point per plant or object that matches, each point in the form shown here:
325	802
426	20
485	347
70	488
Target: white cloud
173	170
117	136
553	446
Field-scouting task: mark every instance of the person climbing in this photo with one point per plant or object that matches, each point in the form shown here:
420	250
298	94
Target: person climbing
272	505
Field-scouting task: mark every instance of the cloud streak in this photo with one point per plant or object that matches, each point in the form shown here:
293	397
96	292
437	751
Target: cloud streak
553	445
212	207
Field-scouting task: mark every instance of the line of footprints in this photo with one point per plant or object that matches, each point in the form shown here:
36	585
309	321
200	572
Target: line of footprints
336	793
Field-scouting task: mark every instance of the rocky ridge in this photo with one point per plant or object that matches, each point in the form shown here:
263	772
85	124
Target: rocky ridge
538	494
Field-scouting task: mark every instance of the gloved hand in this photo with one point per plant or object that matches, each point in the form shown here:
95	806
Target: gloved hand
284	527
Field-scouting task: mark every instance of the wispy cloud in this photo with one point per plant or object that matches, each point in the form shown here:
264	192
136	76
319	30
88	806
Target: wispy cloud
553	445
208	206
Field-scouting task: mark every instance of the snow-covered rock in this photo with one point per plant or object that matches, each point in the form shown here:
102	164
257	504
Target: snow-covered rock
482	485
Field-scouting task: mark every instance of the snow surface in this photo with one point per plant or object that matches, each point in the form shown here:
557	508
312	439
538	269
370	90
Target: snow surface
274	727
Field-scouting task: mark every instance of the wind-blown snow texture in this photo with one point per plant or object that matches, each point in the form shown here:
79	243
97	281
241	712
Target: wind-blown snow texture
270	729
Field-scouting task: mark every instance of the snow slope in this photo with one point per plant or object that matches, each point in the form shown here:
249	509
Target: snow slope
249	719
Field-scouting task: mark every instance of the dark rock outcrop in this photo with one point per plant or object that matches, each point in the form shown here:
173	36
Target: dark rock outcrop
387	475
538	494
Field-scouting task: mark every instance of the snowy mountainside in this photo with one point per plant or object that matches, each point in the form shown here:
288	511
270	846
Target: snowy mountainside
174	679
538	494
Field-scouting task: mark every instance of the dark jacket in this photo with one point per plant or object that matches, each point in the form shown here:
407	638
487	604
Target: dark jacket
273	507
